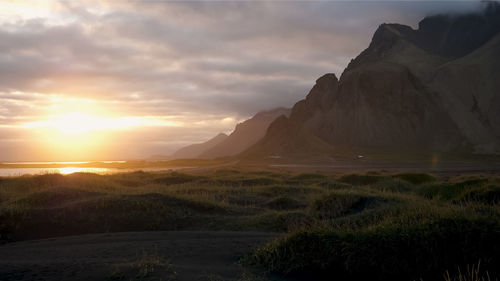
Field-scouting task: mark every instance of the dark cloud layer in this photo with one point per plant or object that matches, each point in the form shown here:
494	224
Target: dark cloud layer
193	61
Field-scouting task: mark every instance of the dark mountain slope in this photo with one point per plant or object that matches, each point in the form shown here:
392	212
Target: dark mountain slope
278	143
469	88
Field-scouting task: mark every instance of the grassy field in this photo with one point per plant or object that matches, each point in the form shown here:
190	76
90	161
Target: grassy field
369	226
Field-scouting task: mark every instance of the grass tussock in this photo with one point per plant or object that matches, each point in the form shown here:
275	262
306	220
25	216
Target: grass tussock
386	253
340	204
475	189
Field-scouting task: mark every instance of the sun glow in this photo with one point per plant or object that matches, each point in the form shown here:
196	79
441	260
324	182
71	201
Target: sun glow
70	128
76	130
79	123
78	135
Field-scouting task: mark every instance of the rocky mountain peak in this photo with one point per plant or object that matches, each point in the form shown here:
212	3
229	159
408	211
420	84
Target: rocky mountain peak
326	80
384	39
389	32
454	36
220	135
320	97
323	90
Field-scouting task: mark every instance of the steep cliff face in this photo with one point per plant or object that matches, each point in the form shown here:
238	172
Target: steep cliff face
434	89
386	105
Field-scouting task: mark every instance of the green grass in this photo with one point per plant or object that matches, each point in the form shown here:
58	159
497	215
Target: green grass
339	204
371	226
175	178
477	189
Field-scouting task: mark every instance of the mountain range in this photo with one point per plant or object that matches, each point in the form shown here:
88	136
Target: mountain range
243	136
195	150
434	89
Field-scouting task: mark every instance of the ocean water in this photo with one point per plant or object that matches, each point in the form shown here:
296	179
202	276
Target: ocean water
68	168
12	172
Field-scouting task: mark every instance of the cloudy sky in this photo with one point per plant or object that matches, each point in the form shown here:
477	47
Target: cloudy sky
96	80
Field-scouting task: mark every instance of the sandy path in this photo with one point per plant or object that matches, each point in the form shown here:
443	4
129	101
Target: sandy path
180	255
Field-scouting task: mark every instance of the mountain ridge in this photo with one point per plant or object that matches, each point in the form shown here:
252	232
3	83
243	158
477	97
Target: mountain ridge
194	150
245	134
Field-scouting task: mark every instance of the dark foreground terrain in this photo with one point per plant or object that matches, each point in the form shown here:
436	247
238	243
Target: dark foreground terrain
179	255
370	225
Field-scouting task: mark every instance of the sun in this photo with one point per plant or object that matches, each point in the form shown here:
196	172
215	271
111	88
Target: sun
76	123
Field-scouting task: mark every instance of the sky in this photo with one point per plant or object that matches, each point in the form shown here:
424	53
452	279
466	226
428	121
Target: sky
118	80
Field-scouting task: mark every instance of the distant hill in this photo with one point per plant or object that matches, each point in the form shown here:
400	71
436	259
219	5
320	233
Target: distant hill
245	134
434	89
195	150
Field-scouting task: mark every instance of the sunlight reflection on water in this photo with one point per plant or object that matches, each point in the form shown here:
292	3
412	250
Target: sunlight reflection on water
71	170
15	172
10	172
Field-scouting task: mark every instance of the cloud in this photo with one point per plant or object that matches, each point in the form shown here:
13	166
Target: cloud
190	61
